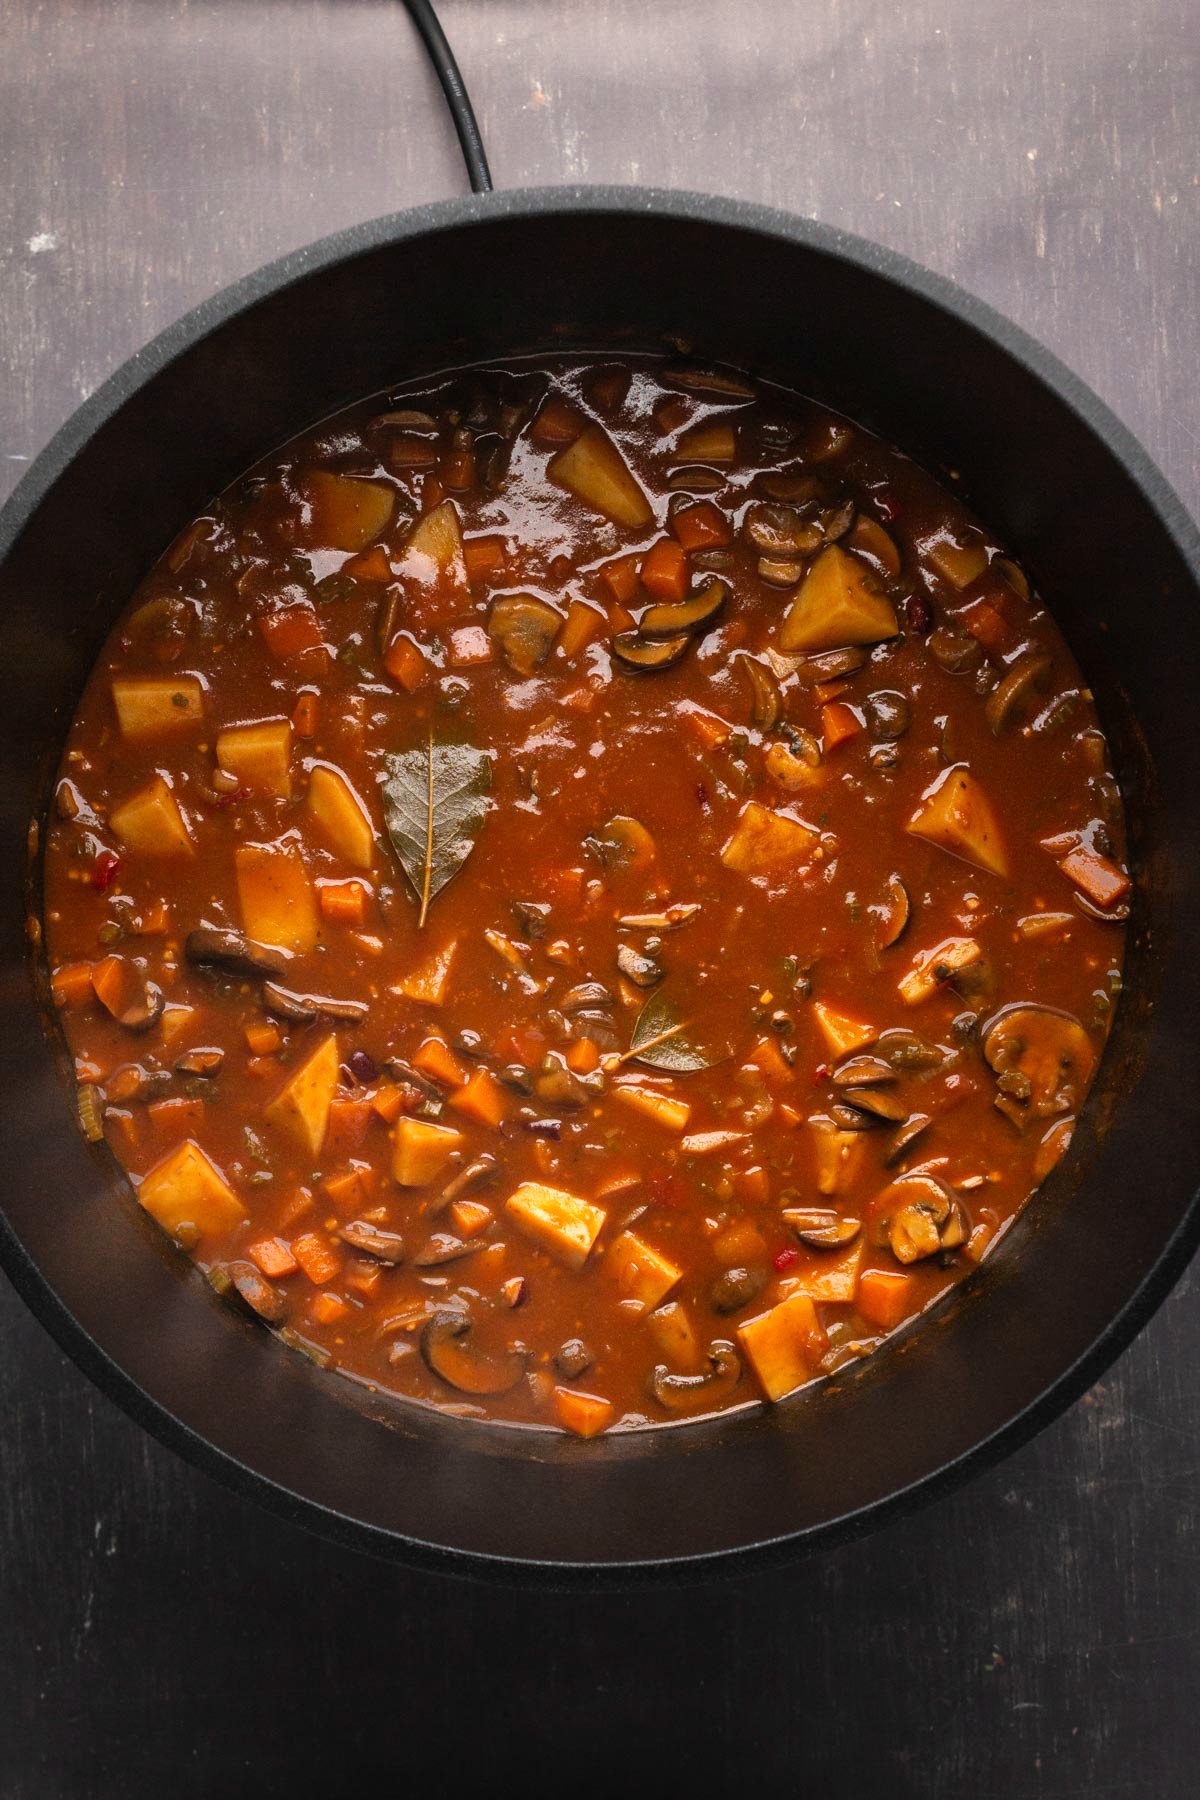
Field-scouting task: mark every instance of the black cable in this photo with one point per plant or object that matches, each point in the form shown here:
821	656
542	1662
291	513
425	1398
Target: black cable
457	98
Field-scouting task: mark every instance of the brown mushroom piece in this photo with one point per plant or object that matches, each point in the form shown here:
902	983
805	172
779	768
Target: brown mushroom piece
475	1174
720	384
764	693
205	1063
879	1105
386	1247
820	1228
443	1247
1026	676
905	1138
894	914
1042	1060
781	531
888	715
573	1359
256	1291
779	571
919	1216
863	1071
232	952
301	1009
525	628
735	1288
695	614
647	655
644	971
448	1351
683	1393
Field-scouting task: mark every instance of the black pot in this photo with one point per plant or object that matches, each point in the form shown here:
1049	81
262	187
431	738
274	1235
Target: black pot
1059	481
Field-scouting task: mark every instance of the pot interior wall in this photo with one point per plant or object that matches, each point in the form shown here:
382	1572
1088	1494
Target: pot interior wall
765	297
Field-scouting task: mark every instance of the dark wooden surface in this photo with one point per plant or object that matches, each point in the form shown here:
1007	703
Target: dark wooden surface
1036	1635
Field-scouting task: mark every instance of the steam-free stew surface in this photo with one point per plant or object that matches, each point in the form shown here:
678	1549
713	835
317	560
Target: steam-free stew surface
585	894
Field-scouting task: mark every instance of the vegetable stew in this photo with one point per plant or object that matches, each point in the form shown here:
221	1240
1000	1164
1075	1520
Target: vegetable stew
585	893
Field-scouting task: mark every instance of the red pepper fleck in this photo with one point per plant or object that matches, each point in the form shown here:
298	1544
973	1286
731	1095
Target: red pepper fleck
819	1073
105	869
919	613
783	1259
886	507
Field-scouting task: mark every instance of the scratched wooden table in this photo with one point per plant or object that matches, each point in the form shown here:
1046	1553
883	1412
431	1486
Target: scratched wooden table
1038	1634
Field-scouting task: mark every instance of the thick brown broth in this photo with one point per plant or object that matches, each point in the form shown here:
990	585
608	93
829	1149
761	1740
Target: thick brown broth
764	984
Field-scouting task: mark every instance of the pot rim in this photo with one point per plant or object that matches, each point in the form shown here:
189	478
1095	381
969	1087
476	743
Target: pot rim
862	254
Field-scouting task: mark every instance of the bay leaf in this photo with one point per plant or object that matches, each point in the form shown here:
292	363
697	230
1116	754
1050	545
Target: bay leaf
660	1040
434	805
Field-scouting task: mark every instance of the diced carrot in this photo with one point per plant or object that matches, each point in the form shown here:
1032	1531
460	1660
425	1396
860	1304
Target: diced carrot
263	1039
405	663
343	902
582	624
436	1058
348	1121
583	1056
458	470
291	630
485	557
468	645
557	423
752	1186
177	1117
317	1257
300	1203
768	1058
155	921
838	722
482	1098
824	691
707	727
884	1297
664	571
1094	875
273	1258
701	526
108	982
620	577
990	617
432	493
470	1217
369	565
347	1190
584	1414
326	1309
306	714
72	984
388	1103
620	619
364	1278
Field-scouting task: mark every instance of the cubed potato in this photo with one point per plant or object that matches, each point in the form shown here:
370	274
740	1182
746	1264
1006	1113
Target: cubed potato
641	1272
335	807
838	1155
784	1345
276	896
959	564
260	756
764	840
842	1031
956	815
664	1110
150	821
837	605
561	1223
885	1298
429	982
347	513
593	469
672	1331
433	551
151	706
421	1150
301	1107
189	1196
831	1280
932	967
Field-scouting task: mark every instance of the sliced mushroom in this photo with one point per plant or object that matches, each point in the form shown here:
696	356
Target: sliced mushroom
683	1393
888	715
649	655
385	1246
644	971
525	628
301	1009
472	1176
257	1292
863	1071
837	520
895	913
557	1085
446	1347
1004	702
233	952
829	665
954	649
680	913
694	480
781	531
735	1288
587	994
913	1213
821	1229
443	1247
205	1063
1042	1059
908	1051
905	1138
695	614
573	1359
764	692
779	571
887	1107
722	384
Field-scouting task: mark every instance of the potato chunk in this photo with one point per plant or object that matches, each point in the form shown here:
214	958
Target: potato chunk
932	967
560	1222
433	551
838	1154
832	1280
783	1345
301	1107
150	706
188	1194
841	1031
641	1272
421	1150
956	815
258	755
429	982
764	840
150	821
333	804
276	896
347	513
836	606
593	469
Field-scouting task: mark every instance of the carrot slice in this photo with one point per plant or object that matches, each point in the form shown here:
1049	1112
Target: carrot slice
664	571
343	902
702	526
273	1258
838	722
1094	875
317	1257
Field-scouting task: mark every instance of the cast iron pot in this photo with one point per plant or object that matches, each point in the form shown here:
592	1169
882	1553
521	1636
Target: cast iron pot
1060	482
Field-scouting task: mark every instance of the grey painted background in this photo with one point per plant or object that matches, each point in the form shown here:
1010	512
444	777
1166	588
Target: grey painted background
1036	1635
